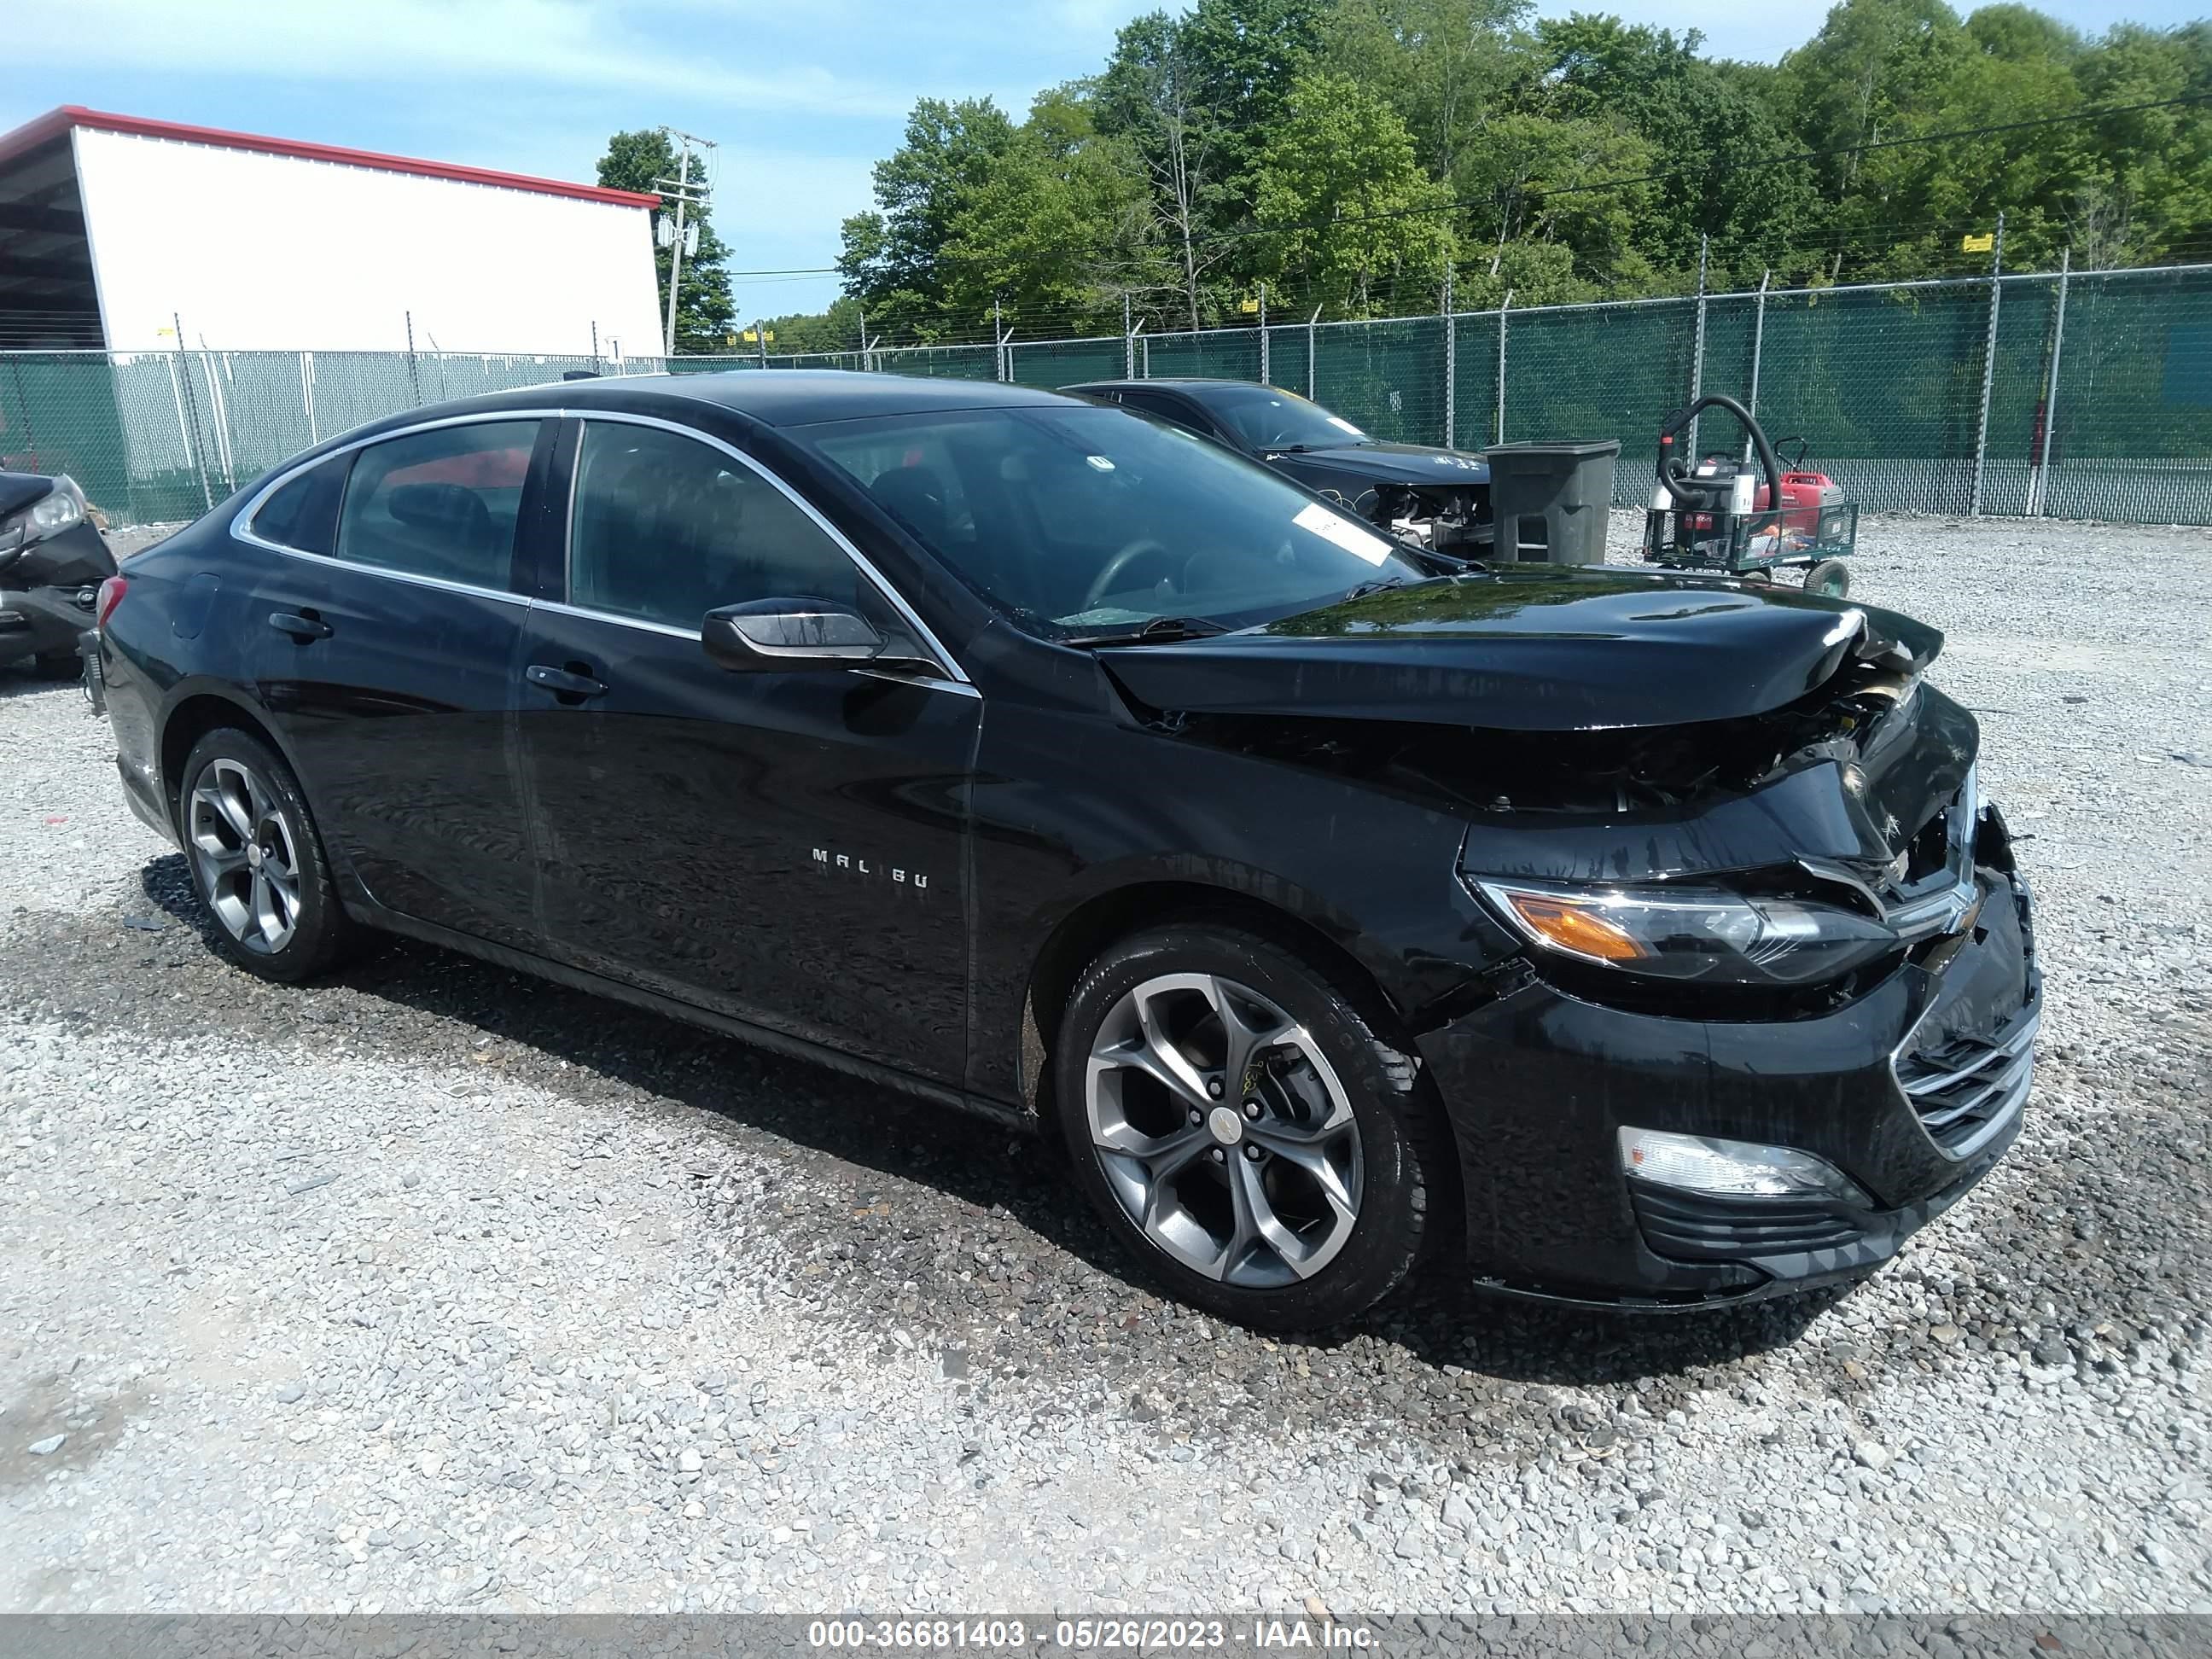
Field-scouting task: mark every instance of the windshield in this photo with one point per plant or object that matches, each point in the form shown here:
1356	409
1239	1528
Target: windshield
1083	520
1267	418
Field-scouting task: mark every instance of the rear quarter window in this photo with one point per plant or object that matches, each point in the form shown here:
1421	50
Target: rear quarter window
303	514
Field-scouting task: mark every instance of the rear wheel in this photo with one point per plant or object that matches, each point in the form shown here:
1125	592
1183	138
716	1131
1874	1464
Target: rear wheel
257	861
1830	577
1238	1122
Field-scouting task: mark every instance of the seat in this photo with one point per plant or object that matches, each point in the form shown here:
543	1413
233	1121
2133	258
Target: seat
451	531
915	496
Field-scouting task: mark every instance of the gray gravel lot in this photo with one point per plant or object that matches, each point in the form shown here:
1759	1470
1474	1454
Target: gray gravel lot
434	1287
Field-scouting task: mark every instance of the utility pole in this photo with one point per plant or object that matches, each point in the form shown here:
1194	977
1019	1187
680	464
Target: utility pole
685	195
1988	368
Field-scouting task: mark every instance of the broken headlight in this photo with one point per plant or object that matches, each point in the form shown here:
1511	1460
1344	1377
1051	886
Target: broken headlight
1680	930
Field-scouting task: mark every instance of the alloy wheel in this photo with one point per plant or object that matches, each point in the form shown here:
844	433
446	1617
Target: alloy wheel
1223	1131
246	854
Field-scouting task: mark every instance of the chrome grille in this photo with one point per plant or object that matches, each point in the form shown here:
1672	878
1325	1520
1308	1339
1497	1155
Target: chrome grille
1966	1092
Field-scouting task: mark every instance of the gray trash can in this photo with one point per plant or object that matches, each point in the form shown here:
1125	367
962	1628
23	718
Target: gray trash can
1550	501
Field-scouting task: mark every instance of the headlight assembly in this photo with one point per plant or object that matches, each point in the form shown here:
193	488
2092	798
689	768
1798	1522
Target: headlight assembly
59	509
1693	932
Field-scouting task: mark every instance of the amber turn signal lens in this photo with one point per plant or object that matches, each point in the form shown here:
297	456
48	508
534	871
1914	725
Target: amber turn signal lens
1577	928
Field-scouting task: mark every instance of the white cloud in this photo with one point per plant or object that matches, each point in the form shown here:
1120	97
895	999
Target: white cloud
405	43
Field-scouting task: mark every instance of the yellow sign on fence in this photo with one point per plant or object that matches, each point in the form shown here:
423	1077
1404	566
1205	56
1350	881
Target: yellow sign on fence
1981	244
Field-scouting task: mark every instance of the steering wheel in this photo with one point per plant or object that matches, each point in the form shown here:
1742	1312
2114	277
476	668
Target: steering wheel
1144	547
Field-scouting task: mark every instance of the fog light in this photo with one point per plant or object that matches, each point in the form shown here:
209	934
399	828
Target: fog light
1734	1169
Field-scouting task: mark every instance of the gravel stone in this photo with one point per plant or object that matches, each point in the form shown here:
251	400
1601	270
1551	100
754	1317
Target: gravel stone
609	1313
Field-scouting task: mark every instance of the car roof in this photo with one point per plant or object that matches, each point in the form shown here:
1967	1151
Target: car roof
773	397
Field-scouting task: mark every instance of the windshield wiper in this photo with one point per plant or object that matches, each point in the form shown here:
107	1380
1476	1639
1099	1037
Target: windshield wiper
1161	630
1374	586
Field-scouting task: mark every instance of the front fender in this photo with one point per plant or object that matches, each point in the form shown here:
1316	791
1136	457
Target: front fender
1071	811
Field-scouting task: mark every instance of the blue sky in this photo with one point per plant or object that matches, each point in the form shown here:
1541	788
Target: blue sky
801	97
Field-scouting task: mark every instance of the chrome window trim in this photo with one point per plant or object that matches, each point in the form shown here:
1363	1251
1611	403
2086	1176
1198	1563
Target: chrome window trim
955	674
563	608
242	529
241	522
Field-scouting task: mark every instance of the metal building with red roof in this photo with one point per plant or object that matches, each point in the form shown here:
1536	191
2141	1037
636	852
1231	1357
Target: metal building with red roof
115	230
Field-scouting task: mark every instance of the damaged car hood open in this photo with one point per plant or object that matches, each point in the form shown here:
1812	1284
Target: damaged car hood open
1538	650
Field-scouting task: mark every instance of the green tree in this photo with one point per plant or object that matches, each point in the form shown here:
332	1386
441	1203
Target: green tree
893	258
1446	66
1875	65
1538	171
635	160
1059	229
2137	187
1247	55
1153	94
1704	122
1356	213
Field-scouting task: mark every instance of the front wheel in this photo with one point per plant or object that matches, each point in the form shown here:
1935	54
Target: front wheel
257	861
1242	1127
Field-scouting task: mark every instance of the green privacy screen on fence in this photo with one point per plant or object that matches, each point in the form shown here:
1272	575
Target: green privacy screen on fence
2082	395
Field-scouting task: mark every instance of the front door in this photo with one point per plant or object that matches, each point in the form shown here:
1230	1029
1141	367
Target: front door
786	848
387	659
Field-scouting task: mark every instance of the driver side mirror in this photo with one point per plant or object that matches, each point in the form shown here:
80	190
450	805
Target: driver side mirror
782	635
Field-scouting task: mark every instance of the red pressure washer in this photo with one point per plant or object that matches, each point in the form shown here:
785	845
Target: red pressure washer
1724	515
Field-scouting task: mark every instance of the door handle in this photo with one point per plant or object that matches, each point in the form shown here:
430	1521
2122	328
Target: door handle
561	683
301	628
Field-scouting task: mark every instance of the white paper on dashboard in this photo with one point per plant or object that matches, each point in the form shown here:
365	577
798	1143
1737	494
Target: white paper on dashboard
1335	527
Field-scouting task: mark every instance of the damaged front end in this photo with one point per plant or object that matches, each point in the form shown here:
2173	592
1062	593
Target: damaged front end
1775	1000
1456	520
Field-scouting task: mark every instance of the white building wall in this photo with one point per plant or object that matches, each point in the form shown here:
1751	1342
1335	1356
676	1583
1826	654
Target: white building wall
259	252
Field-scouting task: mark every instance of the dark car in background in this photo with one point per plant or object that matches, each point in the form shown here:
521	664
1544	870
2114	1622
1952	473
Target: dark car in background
1621	937
53	560
1439	497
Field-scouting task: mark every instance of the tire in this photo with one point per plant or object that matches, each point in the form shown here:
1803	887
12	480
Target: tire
1341	1113
256	859
58	666
1830	577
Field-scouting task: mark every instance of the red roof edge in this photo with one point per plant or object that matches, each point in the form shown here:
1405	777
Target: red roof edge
58	121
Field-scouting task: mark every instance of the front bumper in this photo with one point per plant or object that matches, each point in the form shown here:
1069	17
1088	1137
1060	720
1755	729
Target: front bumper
1914	1090
40	621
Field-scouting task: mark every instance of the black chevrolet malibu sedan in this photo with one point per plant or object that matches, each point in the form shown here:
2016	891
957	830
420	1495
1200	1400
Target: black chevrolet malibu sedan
1628	939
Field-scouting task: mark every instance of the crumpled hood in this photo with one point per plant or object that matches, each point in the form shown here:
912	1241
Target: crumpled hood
1386	463
19	489
1530	650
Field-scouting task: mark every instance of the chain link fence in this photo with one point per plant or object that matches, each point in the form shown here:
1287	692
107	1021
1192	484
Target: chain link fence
2065	394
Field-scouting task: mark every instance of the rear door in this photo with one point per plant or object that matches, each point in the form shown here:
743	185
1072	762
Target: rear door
788	848
385	648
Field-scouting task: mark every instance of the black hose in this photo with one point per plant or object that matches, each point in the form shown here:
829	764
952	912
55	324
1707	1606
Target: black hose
1672	474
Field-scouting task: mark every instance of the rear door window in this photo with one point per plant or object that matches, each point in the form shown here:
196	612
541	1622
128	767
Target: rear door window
441	503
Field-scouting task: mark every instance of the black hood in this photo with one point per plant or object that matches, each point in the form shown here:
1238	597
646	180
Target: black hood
19	489
1385	463
1546	650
